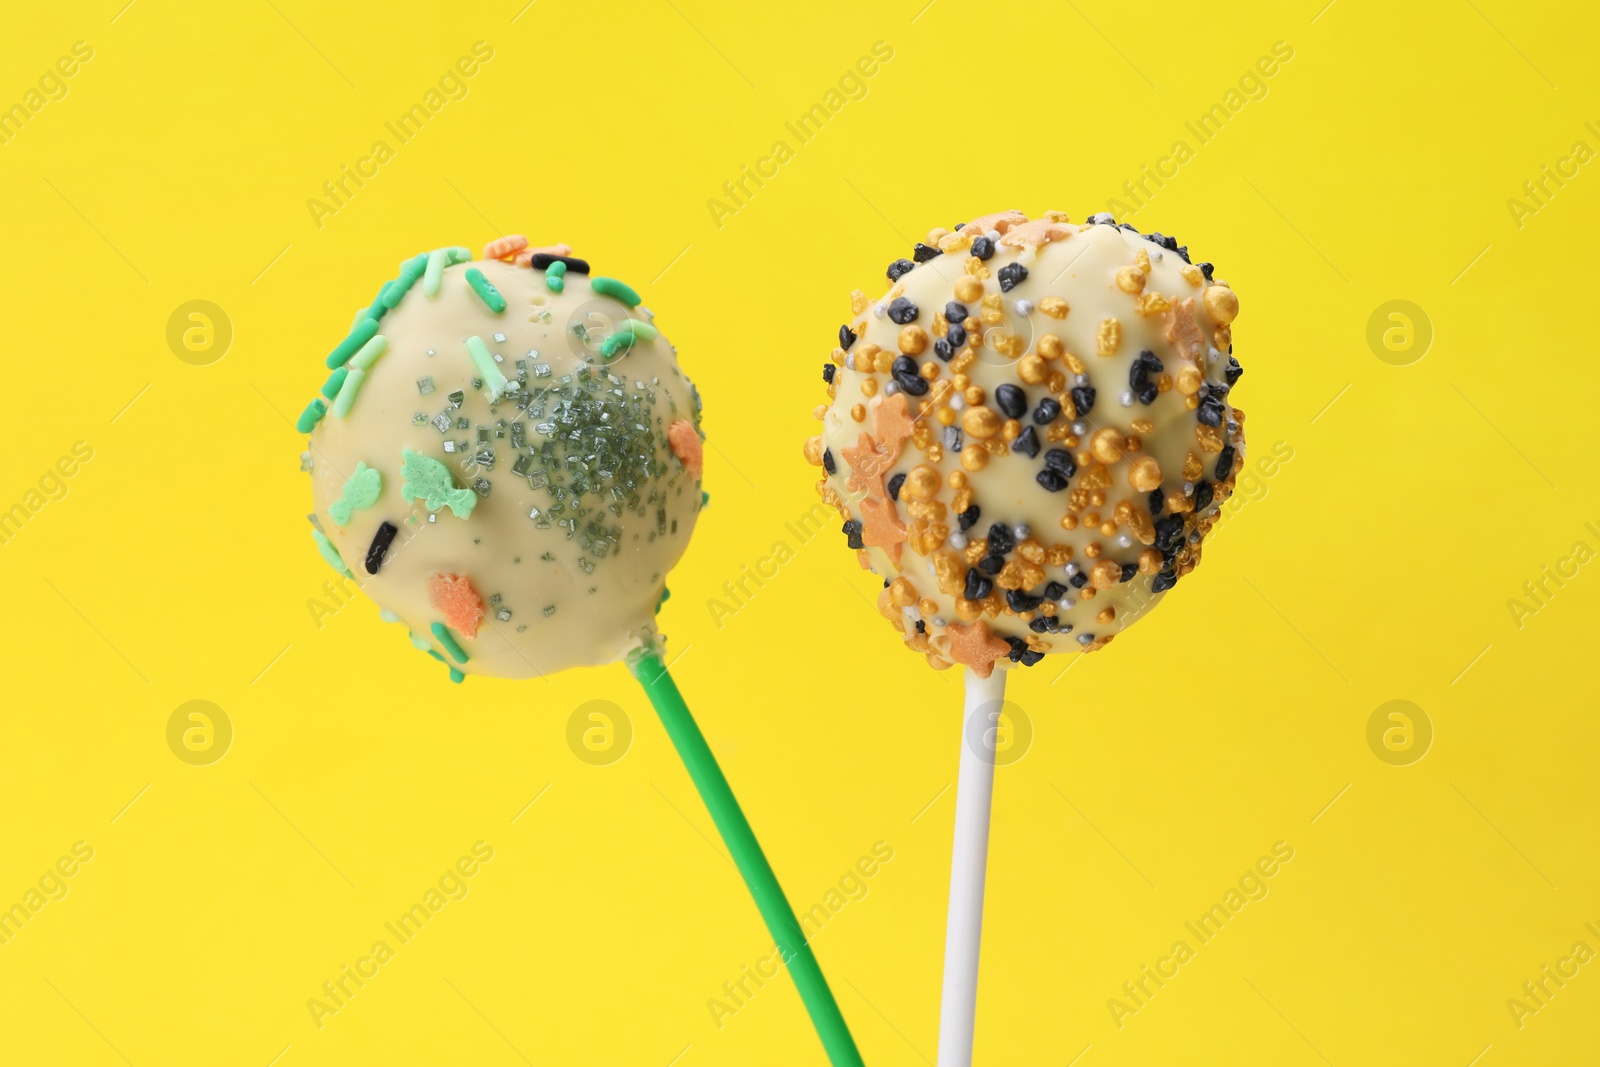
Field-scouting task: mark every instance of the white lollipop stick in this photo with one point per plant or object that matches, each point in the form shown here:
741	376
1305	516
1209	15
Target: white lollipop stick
968	862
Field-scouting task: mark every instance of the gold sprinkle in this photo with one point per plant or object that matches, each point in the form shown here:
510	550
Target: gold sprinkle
974	395
1108	338
902	592
1069	521
1107	444
1131	280
1210	440
980	422
858	301
1143	426
1051	347
921	483
869	387
1222	304
1152	303
858	412
1189	379
1191	274
974	459
1107	615
1054	306
1031	369
913	340
1192	467
1144	474
946	416
1105	574
929	371
968	289
883	361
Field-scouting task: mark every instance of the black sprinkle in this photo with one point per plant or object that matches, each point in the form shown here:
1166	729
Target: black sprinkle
828	370
1128	571
922	627
982	247
1233	372
1019	601
1018	647
955	312
1163	581
1027	442
380	546
1083	399
827	461
1054	591
894	486
1029	657
904	369
968	519
1012	401
1158	501
900	267
1048	411
1042	625
1169	532
942	349
1203	495
991	564
1224	464
847	337
1209	411
1052	480
957	335
541	260
852	534
922	253
978	586
1206	268
1079	580
1139	377
903	311
1061	461
1000	539
1011	275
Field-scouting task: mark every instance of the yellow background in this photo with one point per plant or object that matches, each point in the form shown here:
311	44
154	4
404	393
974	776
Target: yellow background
1375	565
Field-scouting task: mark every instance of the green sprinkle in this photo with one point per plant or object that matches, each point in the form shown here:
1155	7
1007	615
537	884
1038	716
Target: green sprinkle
330	553
433	274
457	254
488	370
666	595
378	309
415	264
642	330
311	415
613	288
348	391
442	634
330	388
620	340
705	498
488	293
456	676
370	352
429	479
558	268
361	490
397	289
364	331
553	278
420	643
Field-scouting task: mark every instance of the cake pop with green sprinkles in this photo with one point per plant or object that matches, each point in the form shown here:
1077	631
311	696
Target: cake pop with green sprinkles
533	448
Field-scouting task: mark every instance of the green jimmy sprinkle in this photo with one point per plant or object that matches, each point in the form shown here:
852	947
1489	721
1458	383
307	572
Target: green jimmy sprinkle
493	379
369	353
433	273
442	634
364	331
348	391
330	553
311	415
486	292
330	388
554	279
613	288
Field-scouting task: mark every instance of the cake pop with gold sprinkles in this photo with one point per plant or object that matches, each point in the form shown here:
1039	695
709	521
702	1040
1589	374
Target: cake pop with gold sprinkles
1030	433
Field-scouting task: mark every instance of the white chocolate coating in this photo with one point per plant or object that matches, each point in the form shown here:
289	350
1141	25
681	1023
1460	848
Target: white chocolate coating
1027	338
572	600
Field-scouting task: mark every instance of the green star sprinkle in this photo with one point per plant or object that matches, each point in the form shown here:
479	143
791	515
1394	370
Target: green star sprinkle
360	491
429	479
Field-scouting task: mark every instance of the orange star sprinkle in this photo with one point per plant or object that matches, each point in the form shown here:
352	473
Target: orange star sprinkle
462	606
892	423
867	467
1182	331
881	527
685	442
1036	233
976	646
1000	221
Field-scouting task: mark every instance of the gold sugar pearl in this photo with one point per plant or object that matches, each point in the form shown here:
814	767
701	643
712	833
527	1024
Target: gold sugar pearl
1133	444
1010	429
974	395
929	370
1108	528
1098	498
1083	459
974	459
1107	615
980	422
1031	369
858	412
946	416
1107	444
956	479
913	340
812	450
819	412
920	484
1189	379
1051	347
927	606
1221	304
1069	522
968	289
869	387
902	593
1092	519
883	361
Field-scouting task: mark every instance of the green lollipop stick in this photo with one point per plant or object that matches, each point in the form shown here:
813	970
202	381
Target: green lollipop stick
748	857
